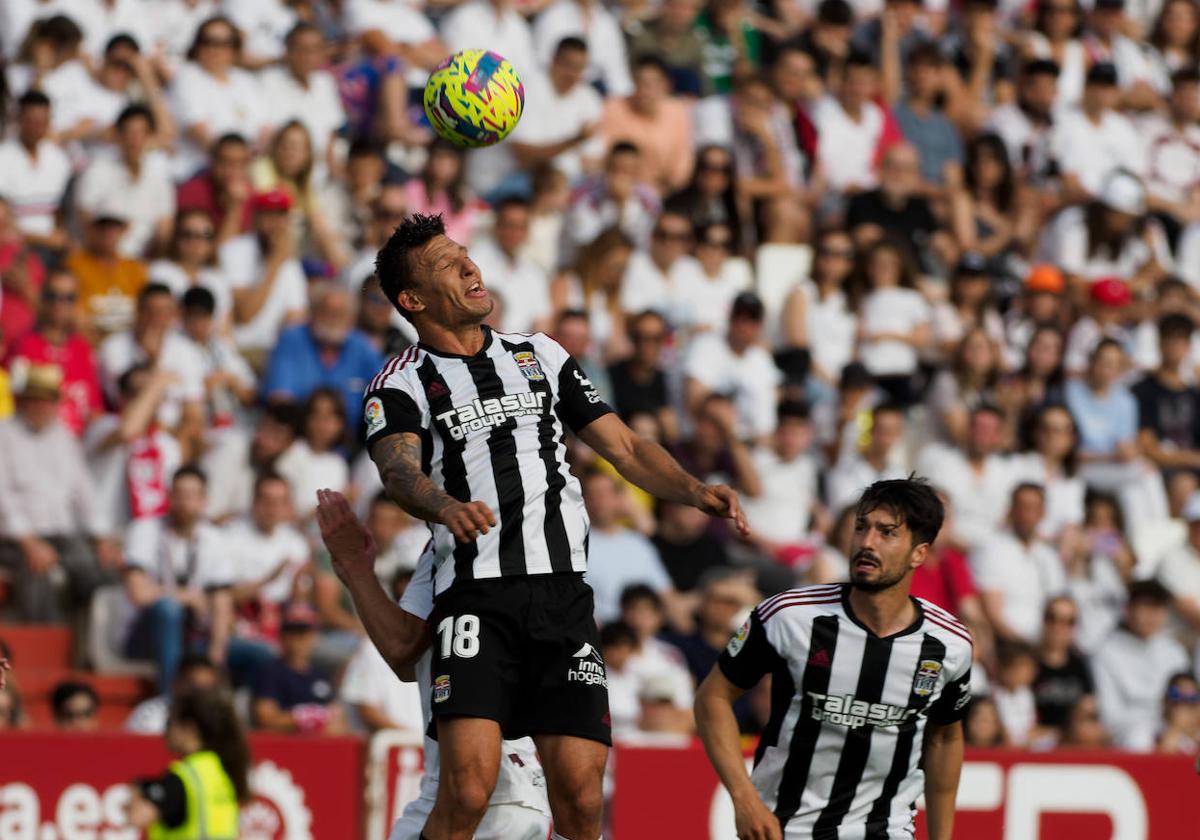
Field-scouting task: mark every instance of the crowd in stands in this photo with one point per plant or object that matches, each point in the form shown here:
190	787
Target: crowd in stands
806	245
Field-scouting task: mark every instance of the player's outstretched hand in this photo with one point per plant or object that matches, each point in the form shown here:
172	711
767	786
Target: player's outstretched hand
350	544
722	500
755	821
466	520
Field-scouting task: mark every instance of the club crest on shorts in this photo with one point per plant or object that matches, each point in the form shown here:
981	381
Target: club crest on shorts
926	679
529	366
373	414
441	689
739	638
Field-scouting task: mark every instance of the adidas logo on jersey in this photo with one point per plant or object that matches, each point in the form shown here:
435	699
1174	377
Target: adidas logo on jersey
846	710
589	668
478	415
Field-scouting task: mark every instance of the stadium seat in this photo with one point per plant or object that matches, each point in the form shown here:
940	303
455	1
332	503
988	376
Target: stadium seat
38	645
778	267
104	629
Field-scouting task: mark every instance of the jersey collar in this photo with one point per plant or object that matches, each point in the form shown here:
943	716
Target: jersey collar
910	629
487	342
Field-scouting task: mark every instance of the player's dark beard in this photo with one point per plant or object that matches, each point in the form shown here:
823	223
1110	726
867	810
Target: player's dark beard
878	585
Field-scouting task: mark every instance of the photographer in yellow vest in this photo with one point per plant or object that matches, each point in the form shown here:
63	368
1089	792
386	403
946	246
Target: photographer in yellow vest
197	798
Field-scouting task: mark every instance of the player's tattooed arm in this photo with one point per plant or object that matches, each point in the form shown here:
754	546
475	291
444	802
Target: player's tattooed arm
398	458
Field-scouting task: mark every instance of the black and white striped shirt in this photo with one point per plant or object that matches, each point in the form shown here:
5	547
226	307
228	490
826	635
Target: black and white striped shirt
840	756
492	428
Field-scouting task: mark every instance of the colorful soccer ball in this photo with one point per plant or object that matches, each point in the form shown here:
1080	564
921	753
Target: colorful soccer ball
474	98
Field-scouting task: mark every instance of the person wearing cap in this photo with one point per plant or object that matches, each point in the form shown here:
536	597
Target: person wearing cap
108	282
736	364
270	291
290	693
1106	315
1108	236
1091	142
49	517
1041	305
1134	664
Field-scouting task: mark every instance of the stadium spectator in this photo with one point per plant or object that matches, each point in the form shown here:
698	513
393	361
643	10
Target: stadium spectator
1063	677
75	706
969	381
665	277
1168	409
301	89
1179	570
639	382
1050	459
140	176
1016	572
399	538
945	579
655	121
150	716
20	283
1109	299
1181	717
615	197
290	694
511	275
53	531
36	171
668	33
1173	161
1085	727
178	576
711	196
229	383
920	118
786	504
608	65
982	727
573	331
817	315
1013	693
222	190
893	324
1100	566
108	282
441	188
190	261
852	129
314	460
1134	666
1026	124
685	547
643	610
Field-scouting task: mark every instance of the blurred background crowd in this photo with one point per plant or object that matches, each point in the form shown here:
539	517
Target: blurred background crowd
805	245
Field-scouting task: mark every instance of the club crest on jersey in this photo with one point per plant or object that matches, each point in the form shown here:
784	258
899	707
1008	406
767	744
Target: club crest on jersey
529	366
441	689
739	638
373	414
926	678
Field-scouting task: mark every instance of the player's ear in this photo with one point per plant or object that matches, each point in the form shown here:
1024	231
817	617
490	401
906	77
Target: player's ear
918	556
410	301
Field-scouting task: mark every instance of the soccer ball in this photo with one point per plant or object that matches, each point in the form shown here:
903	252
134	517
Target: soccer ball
474	98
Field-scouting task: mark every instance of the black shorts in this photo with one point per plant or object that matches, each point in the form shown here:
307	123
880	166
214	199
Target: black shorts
524	652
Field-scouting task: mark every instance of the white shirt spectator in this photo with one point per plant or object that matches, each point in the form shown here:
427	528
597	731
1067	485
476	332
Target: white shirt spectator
71	90
646	286
1064	243
318	106
1091	152
399	20
1072	71
751	378
599	29
980	498
1028	145
1026	575
210	277
369	681
891	309
551	117
1180	572
618	559
1018	712
1172	158
241	261
846	481
1064	494
659	659
34	186
307	472
235	105
264	25
256	554
1130	59
478	23
100	20
521	285
174	24
713	121
847	148
120	352
1131	677
110	468
45	486
147	197
1099	594
780	513
592	212
710	299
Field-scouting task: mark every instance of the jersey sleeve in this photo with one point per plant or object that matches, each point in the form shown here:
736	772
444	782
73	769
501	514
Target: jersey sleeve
390	411
749	654
579	402
951	706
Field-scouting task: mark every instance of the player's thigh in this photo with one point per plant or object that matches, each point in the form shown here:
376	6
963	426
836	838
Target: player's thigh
511	821
412	821
574	766
477	649
469	757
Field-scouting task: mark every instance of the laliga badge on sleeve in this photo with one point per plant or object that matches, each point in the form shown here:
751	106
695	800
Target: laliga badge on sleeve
373	414
739	638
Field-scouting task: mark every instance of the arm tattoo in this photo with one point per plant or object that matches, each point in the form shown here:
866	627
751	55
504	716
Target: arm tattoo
398	458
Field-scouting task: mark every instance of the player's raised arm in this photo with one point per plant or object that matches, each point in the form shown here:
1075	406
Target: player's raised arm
652	468
398	458
943	766
399	636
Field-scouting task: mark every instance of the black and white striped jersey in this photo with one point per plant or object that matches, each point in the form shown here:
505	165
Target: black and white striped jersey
493	429
840	756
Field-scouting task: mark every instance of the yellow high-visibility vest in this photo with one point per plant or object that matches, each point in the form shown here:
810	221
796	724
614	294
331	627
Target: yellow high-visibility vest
212	807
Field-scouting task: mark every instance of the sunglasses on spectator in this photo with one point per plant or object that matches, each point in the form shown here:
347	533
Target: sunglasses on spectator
196	233
210	41
77	714
58	297
843	253
1059	618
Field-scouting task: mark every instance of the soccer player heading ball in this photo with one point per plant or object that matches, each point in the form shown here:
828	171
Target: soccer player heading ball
467	430
869	685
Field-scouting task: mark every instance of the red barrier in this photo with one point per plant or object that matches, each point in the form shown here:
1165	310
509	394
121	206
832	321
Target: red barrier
70	787
1004	795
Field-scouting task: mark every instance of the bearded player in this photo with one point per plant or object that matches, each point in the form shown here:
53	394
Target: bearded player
869	688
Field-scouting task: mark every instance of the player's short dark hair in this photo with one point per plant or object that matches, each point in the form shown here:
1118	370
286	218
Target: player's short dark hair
393	265
198	301
299	29
617	633
912	500
792	410
189	471
835	13
64	691
265	477
636	592
136	111
652	60
1175	325
571	43
32	99
122	39
1150	591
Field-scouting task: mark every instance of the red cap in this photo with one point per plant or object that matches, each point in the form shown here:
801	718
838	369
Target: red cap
273	200
1111	291
299	615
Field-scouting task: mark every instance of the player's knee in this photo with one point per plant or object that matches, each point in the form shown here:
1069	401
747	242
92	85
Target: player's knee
579	805
465	793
